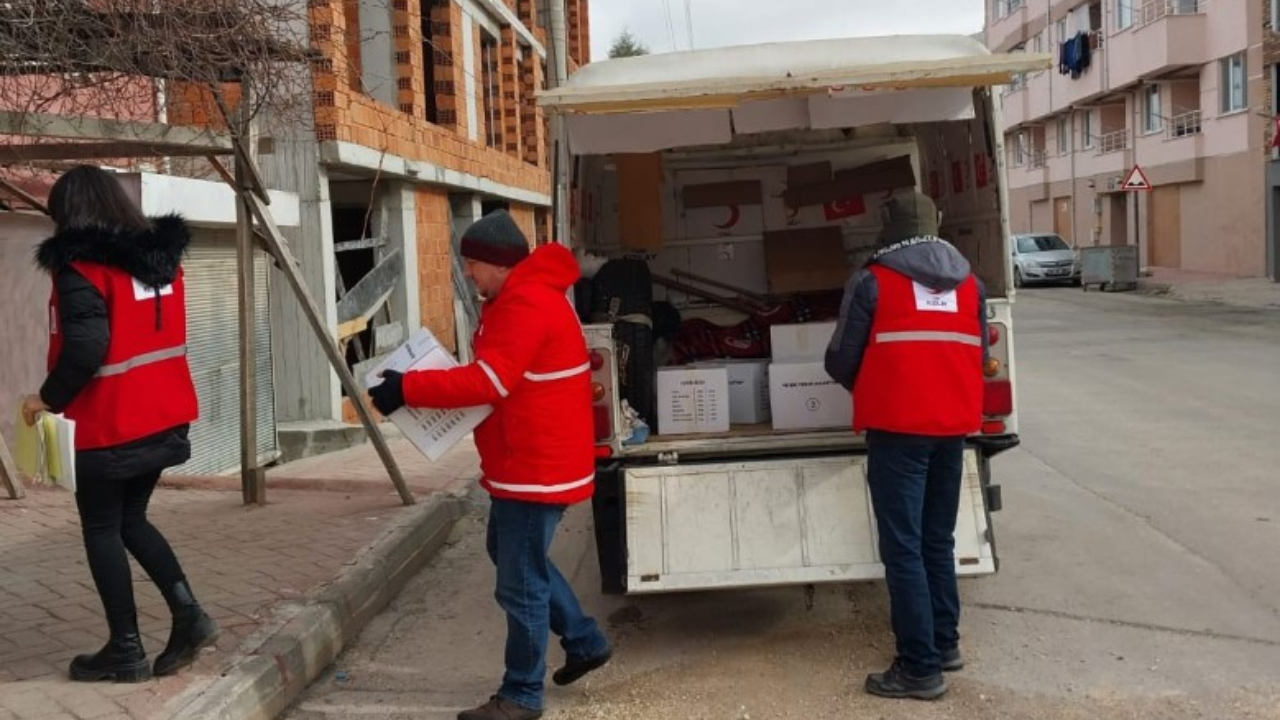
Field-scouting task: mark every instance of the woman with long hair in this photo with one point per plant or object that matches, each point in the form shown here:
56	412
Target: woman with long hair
118	368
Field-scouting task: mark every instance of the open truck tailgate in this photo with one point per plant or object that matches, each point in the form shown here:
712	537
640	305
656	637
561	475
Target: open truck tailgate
770	522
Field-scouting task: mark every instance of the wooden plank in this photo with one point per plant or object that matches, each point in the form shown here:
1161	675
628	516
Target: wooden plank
105	129
289	266
253	484
352	327
9	474
364	244
373	289
23	196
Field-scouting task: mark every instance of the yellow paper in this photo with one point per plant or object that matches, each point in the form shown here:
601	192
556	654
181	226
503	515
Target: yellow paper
46	451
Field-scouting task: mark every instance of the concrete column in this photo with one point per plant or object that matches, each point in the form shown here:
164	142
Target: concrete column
402	232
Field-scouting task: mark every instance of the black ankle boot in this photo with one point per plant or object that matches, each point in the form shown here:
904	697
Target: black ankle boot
193	629
122	659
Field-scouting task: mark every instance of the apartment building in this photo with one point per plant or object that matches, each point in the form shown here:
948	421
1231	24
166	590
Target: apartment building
1173	86
424	118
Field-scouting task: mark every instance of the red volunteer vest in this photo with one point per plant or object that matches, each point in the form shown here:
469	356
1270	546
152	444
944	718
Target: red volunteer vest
144	385
921	373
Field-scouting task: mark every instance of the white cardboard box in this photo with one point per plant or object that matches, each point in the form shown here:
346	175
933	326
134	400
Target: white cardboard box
806	342
432	430
804	397
693	400
748	389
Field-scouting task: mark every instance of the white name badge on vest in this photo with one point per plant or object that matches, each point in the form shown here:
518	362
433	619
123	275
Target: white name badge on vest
142	292
930	300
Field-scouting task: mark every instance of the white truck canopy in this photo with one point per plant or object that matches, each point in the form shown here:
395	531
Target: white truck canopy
705	97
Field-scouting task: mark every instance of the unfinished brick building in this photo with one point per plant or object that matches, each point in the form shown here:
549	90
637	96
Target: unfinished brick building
424	119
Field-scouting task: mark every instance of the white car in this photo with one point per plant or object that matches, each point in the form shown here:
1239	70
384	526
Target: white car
1044	258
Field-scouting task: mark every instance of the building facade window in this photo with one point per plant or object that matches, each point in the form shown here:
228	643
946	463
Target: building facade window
1124	14
1233	85
1019	149
1152	120
491	89
1064	136
1086	130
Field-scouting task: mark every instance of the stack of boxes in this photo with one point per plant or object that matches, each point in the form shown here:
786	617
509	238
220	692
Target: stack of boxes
792	389
803	396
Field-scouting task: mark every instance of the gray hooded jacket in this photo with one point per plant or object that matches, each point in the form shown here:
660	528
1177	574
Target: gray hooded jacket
930	261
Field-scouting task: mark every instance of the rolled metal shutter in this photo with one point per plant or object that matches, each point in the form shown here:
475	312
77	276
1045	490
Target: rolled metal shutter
213	344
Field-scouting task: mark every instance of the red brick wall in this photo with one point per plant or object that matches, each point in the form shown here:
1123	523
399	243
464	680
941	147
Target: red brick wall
343	114
435	268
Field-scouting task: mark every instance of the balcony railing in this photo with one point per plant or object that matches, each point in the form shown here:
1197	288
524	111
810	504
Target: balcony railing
1185	125
1113	142
1153	10
1004	8
1037	158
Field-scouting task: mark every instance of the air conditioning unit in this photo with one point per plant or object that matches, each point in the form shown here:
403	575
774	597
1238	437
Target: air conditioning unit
1113	183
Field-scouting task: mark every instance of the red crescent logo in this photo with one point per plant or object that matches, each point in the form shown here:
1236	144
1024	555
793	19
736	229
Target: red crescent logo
734	215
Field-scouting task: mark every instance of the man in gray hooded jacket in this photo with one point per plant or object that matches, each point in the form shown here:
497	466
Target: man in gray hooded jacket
910	345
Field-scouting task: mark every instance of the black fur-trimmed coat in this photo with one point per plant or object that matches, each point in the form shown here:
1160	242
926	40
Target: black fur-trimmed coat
153	257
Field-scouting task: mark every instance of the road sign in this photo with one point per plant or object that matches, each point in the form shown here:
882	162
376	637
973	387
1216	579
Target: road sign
1136	181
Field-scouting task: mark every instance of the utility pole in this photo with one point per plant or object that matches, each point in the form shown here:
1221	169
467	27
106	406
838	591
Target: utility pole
559	138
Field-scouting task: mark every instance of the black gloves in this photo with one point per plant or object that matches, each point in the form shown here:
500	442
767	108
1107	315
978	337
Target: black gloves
388	397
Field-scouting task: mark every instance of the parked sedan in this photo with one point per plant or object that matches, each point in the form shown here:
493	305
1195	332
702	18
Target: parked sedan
1044	258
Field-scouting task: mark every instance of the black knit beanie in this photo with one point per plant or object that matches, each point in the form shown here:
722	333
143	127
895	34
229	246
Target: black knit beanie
495	239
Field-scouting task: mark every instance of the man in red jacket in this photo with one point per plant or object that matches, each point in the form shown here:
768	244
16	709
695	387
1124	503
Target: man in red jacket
910	345
536	448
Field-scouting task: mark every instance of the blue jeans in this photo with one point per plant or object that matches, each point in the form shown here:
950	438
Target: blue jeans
915	488
536	598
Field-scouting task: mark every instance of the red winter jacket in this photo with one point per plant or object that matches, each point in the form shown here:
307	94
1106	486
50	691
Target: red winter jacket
531	366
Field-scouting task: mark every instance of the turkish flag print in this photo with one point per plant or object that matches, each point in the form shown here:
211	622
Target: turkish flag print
847	208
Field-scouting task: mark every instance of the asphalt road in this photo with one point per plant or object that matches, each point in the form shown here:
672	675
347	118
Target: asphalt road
1140	542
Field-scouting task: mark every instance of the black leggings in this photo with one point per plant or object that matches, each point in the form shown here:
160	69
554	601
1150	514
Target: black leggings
113	518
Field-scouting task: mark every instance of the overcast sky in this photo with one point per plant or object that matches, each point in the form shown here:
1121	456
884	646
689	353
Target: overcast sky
735	22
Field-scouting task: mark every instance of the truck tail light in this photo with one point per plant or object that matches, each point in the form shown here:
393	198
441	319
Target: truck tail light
993	335
603	422
997	398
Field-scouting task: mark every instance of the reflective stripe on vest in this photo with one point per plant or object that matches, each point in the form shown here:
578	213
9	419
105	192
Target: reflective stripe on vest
542	489
927	336
138	361
563	374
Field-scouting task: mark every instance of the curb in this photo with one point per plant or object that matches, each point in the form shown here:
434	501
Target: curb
264	684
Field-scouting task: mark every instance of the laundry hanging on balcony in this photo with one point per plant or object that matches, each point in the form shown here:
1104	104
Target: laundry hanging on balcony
1074	56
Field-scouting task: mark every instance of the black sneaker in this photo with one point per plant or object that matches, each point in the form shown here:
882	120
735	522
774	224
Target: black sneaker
952	660
895	683
574	669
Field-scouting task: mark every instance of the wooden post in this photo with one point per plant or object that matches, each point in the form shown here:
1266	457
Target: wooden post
278	246
9	473
253	483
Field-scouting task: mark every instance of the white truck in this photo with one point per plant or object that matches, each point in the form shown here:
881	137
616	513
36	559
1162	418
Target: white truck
705	161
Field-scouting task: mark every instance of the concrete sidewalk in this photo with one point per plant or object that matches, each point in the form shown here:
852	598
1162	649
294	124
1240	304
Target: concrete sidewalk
289	583
1205	287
